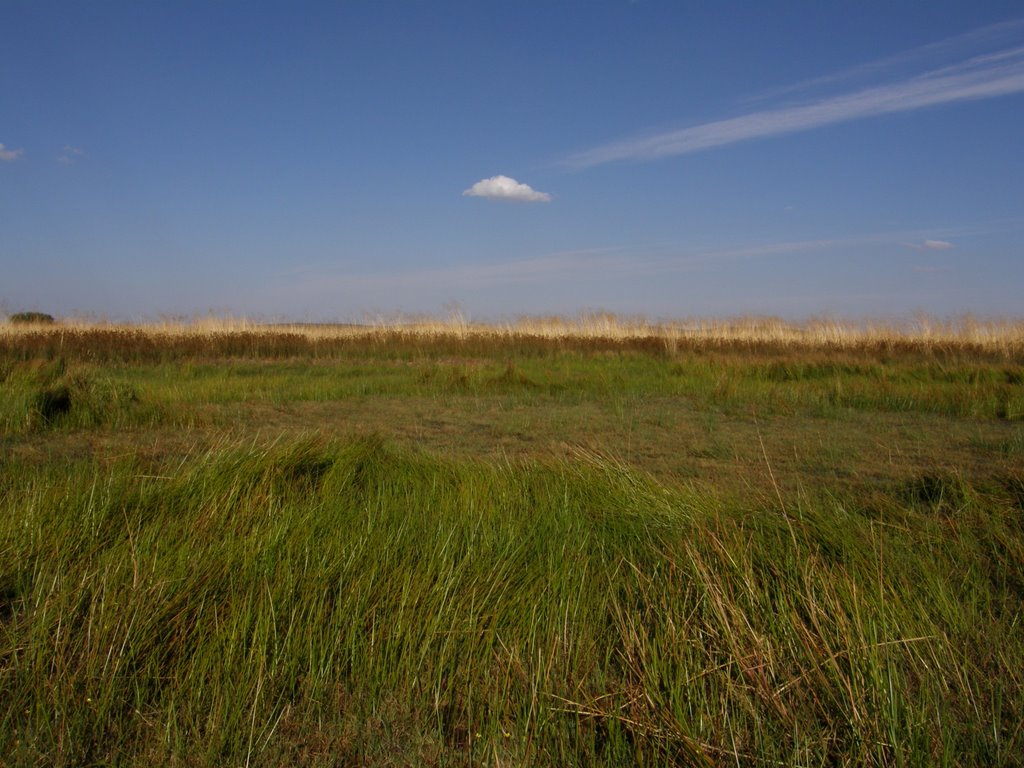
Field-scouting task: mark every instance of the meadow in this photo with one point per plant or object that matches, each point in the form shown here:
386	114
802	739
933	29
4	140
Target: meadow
580	541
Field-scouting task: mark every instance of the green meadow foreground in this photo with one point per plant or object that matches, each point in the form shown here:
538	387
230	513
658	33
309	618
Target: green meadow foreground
549	544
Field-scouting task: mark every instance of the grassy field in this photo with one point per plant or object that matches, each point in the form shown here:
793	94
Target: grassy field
553	542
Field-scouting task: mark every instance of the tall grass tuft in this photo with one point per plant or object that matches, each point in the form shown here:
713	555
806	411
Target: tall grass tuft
51	396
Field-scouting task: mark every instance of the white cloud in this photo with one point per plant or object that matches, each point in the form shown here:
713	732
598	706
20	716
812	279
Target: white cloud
505	188
69	155
992	37
611	262
931	245
996	73
10	154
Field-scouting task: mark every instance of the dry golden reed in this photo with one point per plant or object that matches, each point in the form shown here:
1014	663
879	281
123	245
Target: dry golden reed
588	331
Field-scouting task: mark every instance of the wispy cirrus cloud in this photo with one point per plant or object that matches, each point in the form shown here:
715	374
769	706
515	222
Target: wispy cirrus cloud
69	155
10	154
505	188
995	37
982	76
931	245
618	262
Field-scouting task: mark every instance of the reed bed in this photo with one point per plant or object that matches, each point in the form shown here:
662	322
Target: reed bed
993	339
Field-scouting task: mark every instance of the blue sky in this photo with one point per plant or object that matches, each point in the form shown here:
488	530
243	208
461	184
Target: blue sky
325	161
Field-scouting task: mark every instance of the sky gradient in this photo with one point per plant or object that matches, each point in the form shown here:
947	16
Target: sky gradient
672	159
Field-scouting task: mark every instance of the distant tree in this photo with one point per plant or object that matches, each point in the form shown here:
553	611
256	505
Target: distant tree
32	317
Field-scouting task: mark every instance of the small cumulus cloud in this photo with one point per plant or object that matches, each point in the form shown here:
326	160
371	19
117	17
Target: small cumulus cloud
931	245
505	188
69	155
10	154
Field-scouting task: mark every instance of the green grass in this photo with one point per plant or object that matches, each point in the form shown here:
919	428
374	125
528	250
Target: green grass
608	556
320	601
